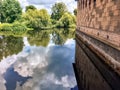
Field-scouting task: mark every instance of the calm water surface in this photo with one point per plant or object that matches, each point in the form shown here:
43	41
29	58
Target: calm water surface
37	60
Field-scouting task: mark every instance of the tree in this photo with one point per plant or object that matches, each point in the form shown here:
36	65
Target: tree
0	9
30	7
10	11
36	19
75	12
45	17
58	9
66	20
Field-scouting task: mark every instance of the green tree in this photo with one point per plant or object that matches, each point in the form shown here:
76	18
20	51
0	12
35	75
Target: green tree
36	19
30	7
0	9
66	20
10	11
75	12
58	9
45	17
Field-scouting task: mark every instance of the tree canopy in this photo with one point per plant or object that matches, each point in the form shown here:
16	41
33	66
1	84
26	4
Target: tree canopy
66	20
75	12
13	19
10	11
30	7
58	9
36	19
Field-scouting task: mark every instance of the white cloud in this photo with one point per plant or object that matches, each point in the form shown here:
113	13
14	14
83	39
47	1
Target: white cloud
71	4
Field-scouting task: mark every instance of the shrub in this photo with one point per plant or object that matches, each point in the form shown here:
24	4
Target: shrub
6	27
13	27
18	26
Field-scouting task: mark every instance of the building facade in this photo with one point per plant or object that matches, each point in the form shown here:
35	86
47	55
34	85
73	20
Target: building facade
97	62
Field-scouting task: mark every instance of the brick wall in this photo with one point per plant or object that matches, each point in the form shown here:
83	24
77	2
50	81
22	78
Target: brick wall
100	18
89	77
98	44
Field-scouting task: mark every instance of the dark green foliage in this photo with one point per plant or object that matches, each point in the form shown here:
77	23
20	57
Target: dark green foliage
58	9
10	11
30	7
75	12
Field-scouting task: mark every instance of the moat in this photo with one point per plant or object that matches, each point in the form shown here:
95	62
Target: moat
38	60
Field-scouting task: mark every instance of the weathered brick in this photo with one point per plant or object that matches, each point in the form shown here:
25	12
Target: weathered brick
100	25
116	12
106	12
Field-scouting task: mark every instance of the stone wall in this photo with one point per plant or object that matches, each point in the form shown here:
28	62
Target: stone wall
89	77
97	62
101	18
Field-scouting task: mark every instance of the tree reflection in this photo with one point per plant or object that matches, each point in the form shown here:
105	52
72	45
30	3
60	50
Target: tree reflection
59	37
42	38
10	45
39	38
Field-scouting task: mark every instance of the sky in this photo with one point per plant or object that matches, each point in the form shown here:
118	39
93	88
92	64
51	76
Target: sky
47	4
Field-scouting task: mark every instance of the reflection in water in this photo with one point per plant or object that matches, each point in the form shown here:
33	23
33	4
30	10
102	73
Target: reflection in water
39	38
43	64
43	37
60	36
12	78
10	45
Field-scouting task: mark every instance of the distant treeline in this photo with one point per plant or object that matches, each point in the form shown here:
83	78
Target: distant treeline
12	18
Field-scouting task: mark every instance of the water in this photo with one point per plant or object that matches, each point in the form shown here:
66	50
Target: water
37	60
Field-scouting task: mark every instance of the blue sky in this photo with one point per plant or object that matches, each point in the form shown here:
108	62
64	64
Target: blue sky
71	4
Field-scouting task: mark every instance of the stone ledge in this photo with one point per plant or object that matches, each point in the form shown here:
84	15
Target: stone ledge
110	76
109	38
114	64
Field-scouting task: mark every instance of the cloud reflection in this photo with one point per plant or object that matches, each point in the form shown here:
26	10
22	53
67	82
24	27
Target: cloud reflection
50	67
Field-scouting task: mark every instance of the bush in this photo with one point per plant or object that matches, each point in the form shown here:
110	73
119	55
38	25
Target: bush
6	27
13	27
18	26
